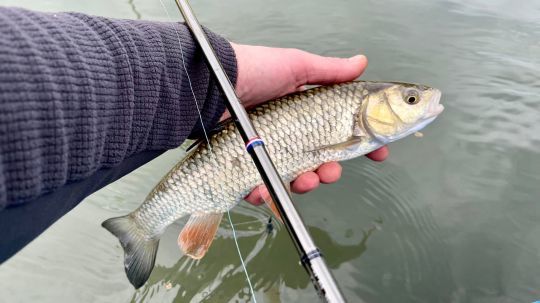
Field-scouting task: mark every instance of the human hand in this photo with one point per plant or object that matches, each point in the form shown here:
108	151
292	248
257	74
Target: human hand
266	73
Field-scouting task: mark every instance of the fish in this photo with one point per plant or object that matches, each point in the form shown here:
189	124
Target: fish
301	131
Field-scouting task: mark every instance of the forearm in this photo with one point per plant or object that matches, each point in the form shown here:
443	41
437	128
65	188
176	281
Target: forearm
80	93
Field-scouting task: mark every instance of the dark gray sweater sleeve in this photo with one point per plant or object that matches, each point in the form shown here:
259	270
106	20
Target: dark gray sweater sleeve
79	93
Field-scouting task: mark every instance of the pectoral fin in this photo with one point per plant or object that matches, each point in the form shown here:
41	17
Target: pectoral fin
352	141
198	234
270	202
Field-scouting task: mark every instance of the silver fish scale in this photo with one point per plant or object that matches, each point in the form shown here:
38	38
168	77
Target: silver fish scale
296	130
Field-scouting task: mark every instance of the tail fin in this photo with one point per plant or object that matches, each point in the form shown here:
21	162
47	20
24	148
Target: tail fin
139	249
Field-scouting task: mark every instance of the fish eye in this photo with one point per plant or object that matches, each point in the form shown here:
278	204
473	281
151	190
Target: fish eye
412	97
412	100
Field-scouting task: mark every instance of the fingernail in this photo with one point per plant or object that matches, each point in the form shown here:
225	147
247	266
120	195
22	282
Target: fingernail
358	57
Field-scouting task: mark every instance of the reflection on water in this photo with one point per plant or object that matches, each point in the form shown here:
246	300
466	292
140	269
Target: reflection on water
451	217
212	281
410	259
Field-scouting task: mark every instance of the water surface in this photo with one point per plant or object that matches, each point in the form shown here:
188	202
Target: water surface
451	217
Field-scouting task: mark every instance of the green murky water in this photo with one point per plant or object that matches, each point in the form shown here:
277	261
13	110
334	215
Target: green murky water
453	217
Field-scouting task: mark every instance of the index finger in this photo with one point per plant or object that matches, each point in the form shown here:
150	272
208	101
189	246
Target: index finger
379	155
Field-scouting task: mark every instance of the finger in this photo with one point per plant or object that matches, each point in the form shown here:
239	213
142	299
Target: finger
305	182
255	197
327	70
329	172
379	155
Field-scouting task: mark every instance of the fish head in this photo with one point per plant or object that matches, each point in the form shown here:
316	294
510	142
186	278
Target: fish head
394	110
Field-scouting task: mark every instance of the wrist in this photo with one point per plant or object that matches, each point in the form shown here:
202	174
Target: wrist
240	88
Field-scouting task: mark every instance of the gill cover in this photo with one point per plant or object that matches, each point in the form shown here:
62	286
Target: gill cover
394	110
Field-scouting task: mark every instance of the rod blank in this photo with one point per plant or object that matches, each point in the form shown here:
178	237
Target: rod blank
310	255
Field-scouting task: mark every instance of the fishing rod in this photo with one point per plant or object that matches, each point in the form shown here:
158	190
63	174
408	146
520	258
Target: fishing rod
310	256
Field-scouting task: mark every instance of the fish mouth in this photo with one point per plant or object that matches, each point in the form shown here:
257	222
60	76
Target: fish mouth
434	108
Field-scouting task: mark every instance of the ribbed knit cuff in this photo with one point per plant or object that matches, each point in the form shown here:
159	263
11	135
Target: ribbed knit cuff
79	93
212	111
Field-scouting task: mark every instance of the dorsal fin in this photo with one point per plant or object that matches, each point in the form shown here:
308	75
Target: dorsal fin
219	127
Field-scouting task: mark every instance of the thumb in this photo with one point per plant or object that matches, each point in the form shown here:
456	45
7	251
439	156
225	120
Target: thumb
328	70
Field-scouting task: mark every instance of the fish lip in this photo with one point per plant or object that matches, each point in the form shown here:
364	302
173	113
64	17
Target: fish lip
434	108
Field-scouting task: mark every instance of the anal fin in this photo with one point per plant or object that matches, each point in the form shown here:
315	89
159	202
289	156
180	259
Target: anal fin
198	234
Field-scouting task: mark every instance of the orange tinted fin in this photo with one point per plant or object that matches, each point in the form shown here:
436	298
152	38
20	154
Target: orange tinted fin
265	195
198	234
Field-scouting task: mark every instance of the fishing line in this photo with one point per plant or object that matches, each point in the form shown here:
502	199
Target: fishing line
241	259
187	74
211	151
